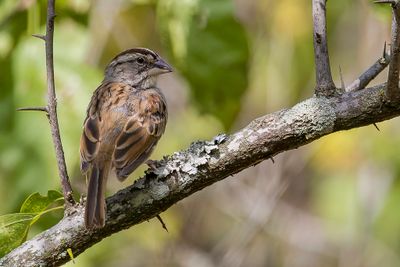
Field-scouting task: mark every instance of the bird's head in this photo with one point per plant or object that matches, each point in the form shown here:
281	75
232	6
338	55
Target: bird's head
136	66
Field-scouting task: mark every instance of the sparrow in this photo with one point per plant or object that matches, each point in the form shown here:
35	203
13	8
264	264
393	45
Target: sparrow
125	119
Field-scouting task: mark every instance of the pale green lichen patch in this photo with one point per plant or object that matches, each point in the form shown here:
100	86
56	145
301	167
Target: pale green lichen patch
189	161
120	217
158	190
252	138
116	207
139	199
234	144
238	138
313	117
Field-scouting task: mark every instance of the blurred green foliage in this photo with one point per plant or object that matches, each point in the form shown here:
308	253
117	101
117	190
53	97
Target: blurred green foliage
217	73
334	201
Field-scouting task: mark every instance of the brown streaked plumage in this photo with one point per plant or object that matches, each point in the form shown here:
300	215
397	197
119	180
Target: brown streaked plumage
125	119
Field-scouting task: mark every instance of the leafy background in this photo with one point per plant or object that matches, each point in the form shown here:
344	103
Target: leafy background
331	203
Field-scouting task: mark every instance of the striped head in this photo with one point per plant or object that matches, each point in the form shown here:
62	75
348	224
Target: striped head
136	67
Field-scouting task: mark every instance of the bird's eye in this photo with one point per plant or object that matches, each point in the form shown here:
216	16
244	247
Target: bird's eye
140	60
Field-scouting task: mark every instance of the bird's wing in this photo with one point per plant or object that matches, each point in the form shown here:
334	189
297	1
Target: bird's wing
90	138
140	134
97	123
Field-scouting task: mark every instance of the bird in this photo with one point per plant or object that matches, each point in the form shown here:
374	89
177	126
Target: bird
125	119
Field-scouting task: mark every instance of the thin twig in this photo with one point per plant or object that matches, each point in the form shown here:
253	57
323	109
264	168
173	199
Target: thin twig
392	89
52	105
393	2
43	109
370	73
325	85
376	127
40	36
162	223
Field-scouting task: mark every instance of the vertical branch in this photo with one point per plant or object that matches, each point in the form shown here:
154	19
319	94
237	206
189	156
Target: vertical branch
392	89
52	105
325	85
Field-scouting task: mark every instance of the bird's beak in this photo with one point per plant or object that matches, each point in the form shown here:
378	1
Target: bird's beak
163	66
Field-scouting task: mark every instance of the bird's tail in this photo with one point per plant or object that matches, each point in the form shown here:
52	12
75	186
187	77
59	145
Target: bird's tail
95	201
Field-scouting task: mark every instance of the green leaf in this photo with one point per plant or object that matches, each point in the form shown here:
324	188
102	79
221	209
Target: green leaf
13	230
210	48
14	227
37	203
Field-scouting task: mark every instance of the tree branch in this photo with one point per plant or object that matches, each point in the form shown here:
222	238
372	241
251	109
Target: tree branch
51	107
43	109
370	73
392	88
324	82
204	163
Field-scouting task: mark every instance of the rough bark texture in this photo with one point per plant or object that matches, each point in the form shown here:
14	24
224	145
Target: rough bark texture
204	163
